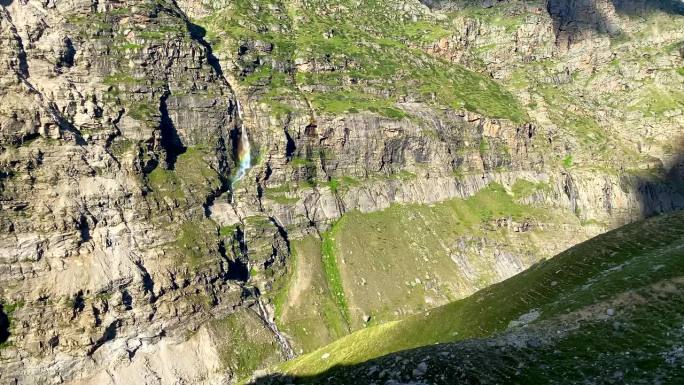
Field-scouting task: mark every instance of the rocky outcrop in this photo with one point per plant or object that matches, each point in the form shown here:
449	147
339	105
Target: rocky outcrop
125	238
574	146
116	131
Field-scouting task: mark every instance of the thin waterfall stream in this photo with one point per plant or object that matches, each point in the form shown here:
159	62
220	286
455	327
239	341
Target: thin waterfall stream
244	150
284	343
244	155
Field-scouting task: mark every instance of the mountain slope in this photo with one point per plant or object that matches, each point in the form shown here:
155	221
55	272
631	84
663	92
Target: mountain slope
223	180
607	308
369	98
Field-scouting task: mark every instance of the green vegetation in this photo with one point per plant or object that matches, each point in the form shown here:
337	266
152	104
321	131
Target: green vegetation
595	122
301	162
361	53
161	31
581	124
424	32
340	185
567	161
332	273
286	193
494	202
248	345
121	146
406	259
523	188
484	146
501	15
195	242
403	175
191	180
191	175
9	309
306	307
346	101
143	111
640	260
283	200
226	231
165	182
281	287
619	39
654	101
104	296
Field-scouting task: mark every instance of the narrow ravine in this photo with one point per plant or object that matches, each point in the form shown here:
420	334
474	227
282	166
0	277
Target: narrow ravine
284	343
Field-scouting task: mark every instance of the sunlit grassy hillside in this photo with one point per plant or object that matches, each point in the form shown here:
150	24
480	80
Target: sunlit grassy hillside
610	304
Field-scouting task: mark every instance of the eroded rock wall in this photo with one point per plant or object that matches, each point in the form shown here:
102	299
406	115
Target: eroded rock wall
125	241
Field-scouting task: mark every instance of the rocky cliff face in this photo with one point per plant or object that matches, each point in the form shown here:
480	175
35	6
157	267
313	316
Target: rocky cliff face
127	239
117	131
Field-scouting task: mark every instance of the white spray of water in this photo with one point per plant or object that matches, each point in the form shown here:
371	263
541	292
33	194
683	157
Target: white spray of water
244	151
244	154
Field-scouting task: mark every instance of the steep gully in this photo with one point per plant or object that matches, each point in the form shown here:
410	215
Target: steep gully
244	158
244	163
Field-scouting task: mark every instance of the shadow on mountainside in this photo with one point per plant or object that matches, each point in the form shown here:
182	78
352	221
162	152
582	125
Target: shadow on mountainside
635	7
6	3
573	17
660	189
642	341
572	7
480	362
607	311
4	325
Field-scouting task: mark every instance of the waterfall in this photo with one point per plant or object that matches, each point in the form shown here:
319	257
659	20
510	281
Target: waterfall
244	151
244	155
285	346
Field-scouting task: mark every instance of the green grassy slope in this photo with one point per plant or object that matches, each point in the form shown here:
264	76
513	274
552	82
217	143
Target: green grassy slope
352	56
372	268
615	295
308	313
